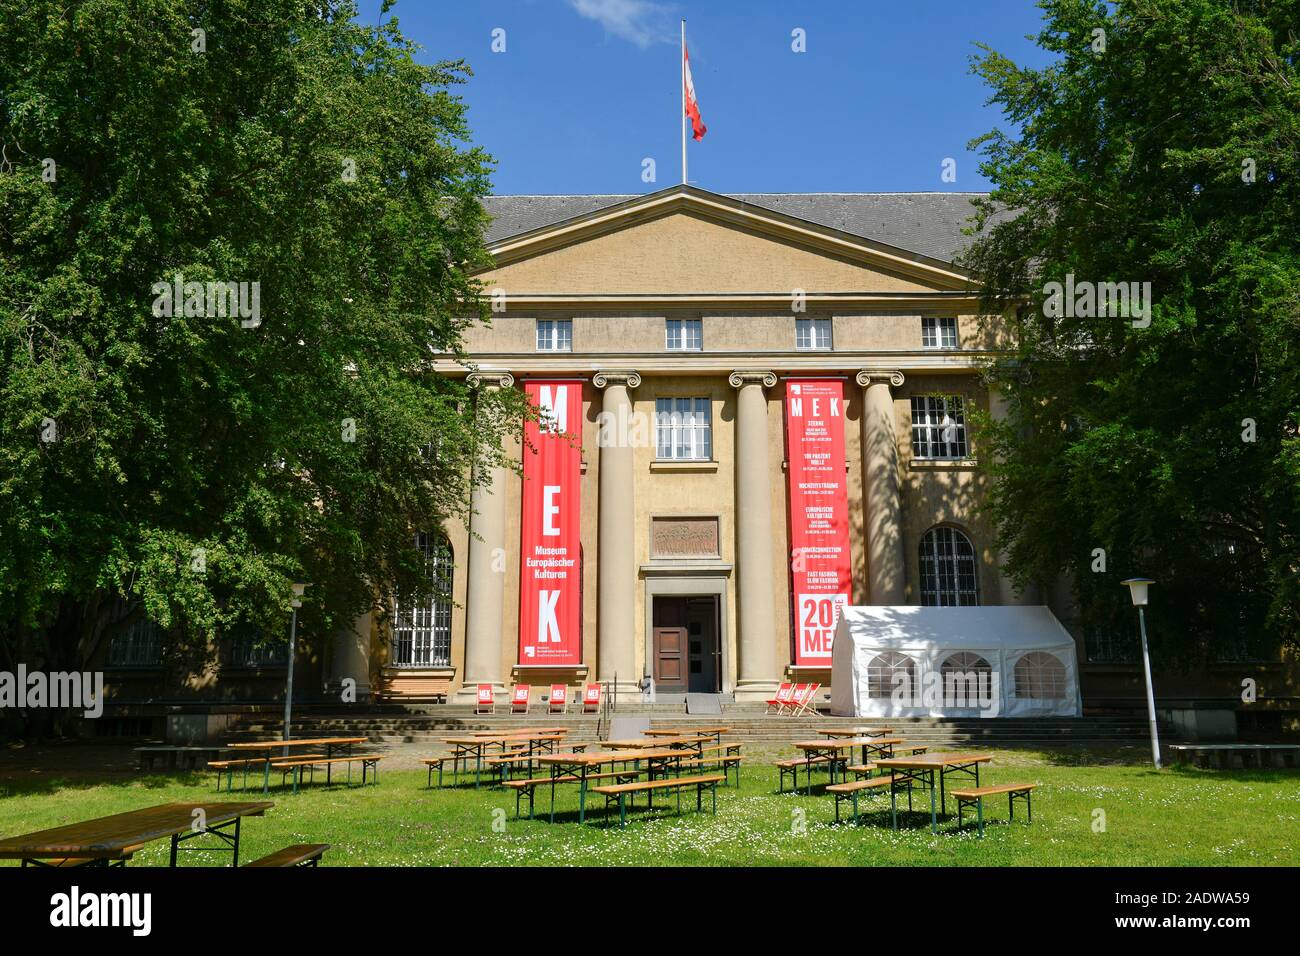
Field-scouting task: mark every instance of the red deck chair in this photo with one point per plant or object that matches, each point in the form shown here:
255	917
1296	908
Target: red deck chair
791	705
591	699
519	699
804	705
486	702
559	698
782	697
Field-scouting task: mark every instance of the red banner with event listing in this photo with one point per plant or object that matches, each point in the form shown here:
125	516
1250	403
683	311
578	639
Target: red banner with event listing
550	568
821	565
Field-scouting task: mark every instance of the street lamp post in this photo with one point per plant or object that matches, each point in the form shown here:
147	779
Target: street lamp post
1137	588
296	603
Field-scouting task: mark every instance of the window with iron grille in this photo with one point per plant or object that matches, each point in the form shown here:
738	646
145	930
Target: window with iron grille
684	335
887	671
939	332
139	645
1108	647
938	427
1039	676
422	627
812	334
555	335
251	648
948	577
683	429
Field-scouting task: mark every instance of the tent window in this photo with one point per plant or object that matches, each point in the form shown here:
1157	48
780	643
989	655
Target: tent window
882	671
948	576
1040	676
965	676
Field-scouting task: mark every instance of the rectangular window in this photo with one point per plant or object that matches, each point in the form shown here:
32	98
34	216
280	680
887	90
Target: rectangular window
250	648
812	334
683	429
938	332
140	645
555	335
938	427
684	335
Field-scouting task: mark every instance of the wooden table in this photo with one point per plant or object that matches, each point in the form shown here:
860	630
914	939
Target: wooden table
329	743
683	741
467	747
835	748
921	768
714	732
115	838
578	766
519	733
857	732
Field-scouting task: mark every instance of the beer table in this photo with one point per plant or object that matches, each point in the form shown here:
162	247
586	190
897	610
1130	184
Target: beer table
112	840
835	749
519	733
682	741
578	767
714	732
857	732
921	768
466	747
331	745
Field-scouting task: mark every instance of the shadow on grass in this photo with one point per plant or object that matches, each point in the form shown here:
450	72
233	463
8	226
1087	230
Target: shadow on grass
14	786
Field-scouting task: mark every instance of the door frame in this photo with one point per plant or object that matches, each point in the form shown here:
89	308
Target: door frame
707	582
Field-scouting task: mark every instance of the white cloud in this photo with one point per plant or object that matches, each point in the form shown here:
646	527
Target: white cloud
637	21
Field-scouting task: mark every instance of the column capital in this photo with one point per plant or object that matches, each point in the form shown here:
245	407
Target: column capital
764	377
878	376
494	377
608	376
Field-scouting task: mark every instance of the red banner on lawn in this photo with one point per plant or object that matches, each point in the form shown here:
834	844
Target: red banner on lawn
821	569
550	569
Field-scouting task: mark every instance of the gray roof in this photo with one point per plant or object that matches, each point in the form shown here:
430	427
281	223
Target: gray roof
927	223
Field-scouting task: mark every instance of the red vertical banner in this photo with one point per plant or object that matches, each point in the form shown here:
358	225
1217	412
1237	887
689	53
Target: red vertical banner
550	566
821	570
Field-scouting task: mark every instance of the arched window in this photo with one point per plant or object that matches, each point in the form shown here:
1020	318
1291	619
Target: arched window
1039	676
967	678
883	671
422	627
948	577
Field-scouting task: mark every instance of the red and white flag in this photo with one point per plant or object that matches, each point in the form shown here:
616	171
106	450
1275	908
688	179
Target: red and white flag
698	129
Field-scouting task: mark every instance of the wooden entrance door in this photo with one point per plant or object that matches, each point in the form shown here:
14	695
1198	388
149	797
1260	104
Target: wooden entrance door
670	660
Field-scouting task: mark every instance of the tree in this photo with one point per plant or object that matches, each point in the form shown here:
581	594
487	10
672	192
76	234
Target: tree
233	239
1161	146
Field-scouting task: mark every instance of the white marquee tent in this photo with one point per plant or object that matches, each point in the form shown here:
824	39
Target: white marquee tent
906	661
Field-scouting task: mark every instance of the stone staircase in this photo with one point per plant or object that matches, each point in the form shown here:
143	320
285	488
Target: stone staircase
429	725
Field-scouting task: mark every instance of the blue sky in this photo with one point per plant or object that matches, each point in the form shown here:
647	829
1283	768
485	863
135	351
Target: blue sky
587	89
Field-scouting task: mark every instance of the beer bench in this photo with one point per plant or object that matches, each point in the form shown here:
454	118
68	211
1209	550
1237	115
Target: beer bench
300	854
297	764
976	795
529	786
791	768
620	792
850	791
228	765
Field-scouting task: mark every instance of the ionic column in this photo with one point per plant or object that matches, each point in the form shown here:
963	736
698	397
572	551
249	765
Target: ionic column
485	595
754	545
886	563
998	412
616	540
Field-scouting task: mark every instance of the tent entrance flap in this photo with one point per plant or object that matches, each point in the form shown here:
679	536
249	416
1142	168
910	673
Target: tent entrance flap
906	661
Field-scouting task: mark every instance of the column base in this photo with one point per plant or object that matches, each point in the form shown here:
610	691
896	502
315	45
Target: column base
756	690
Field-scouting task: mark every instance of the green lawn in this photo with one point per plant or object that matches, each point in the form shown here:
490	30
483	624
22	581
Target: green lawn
1174	817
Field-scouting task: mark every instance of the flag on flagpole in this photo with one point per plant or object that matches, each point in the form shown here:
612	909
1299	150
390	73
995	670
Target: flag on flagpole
698	129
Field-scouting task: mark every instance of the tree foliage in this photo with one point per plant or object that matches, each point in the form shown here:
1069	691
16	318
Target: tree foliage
1164	149
189	467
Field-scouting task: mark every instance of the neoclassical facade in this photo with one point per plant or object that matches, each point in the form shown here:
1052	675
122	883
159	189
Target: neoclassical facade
681	318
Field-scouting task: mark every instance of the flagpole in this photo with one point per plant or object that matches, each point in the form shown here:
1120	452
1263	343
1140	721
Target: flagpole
683	101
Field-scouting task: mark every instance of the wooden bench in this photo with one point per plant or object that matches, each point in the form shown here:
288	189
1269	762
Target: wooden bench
976	796
297	764
300	854
850	791
174	754
620	792
791	767
725	763
228	765
529	786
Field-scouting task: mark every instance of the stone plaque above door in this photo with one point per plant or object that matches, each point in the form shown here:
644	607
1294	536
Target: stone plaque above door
684	537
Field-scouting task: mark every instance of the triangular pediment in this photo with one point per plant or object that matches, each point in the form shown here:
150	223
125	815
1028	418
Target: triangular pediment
687	241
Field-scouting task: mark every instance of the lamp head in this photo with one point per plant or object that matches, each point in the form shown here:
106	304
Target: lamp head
298	589
1137	589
